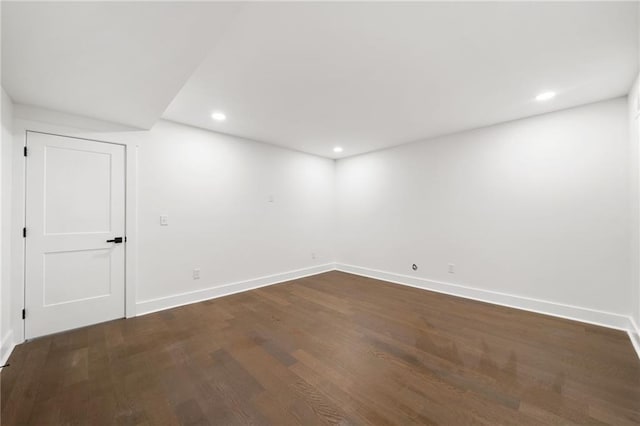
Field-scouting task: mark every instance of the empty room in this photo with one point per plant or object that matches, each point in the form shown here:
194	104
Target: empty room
308	213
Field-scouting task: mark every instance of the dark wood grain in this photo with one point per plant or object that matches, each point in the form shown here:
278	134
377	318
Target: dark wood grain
329	349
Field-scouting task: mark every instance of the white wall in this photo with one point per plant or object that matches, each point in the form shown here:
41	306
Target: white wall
536	208
634	186
216	190
6	145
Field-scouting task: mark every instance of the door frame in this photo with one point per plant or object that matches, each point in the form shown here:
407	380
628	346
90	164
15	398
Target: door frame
104	133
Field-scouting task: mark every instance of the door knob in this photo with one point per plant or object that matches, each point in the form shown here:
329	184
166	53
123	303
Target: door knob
116	240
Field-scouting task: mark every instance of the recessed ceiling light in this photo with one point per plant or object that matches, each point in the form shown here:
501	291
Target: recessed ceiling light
545	96
337	149
218	116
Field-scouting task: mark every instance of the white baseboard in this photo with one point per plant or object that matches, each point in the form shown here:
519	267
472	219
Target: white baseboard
634	335
576	313
591	316
6	347
159	304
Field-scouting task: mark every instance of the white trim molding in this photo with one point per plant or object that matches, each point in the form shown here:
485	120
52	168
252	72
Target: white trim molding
131	235
634	335
590	316
173	301
6	347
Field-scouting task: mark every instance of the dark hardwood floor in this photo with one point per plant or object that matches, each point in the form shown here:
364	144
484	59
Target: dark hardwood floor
333	348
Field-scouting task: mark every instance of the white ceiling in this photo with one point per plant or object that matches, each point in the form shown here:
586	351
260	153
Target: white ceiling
310	76
119	62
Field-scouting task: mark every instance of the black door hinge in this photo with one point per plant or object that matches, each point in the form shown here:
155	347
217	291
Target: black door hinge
24	232
25	151
24	313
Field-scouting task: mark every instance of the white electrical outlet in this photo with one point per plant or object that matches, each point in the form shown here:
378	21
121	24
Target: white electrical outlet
452	268
313	255
164	220
270	199
196	274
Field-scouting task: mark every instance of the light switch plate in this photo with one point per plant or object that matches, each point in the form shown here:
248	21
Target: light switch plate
164	220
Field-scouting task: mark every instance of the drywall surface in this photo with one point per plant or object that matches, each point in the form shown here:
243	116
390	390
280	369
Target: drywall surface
537	208
236	210
6	145
634	194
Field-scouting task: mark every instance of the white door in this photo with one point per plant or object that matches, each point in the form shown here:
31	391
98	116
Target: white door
75	209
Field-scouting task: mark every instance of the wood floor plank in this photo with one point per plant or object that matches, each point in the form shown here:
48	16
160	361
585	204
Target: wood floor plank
328	349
